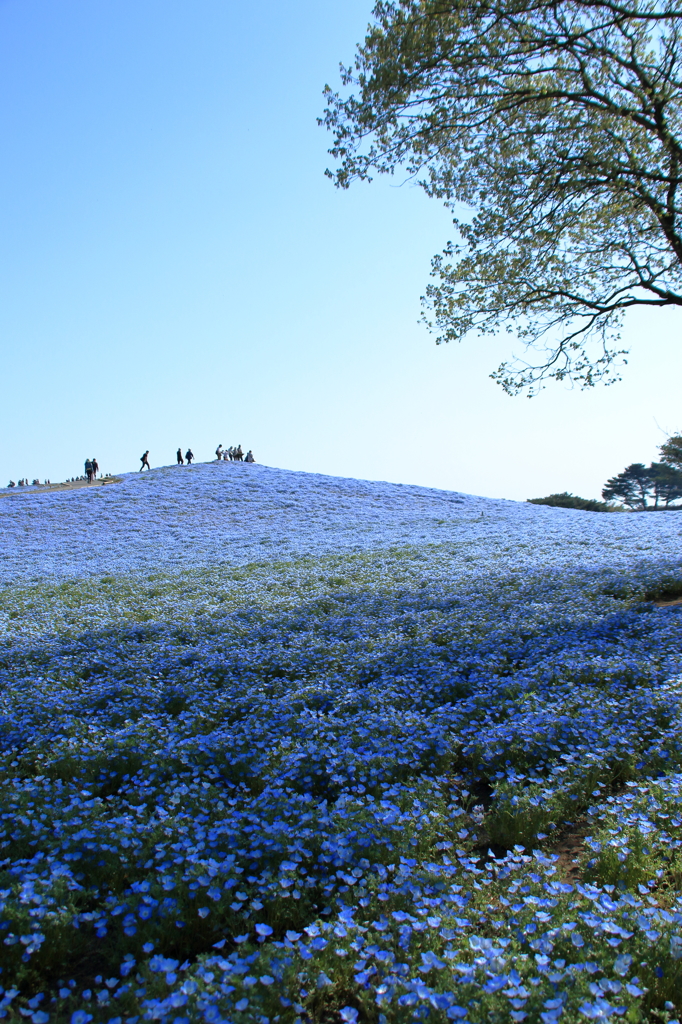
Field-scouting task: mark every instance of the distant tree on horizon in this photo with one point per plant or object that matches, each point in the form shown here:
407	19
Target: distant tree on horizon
671	451
638	483
567	500
553	132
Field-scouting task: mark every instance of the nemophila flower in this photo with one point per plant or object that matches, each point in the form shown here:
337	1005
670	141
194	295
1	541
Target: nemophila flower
293	757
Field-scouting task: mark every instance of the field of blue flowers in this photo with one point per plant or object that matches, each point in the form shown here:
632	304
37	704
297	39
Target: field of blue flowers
278	747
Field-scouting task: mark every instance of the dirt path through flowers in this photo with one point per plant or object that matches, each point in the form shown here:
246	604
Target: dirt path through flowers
69	485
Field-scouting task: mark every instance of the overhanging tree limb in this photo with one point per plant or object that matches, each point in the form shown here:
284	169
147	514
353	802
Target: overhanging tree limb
553	131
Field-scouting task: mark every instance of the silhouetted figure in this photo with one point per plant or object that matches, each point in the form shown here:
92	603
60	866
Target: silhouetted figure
145	461
88	470
239	454
189	455
181	461
249	456
219	452
95	469
11	484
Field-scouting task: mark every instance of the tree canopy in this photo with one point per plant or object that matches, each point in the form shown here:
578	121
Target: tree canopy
671	451
553	132
567	500
638	483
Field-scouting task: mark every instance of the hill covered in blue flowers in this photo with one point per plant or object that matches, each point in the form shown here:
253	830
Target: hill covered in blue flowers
285	747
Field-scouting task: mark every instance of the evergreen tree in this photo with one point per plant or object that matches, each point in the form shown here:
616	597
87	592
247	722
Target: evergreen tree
671	451
637	484
667	483
567	500
631	487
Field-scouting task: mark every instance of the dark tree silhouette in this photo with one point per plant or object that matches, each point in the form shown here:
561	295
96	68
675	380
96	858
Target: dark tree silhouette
638	483
671	451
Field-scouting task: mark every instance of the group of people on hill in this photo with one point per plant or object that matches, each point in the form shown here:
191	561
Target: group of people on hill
233	454
24	483
189	457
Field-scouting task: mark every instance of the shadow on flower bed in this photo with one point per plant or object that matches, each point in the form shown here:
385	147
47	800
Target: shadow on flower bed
255	777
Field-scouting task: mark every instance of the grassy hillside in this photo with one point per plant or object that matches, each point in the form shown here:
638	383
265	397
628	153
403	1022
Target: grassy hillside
281	747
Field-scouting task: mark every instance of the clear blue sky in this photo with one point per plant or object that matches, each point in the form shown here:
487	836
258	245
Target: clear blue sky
176	270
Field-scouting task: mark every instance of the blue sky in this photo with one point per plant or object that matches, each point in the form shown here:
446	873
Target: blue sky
176	270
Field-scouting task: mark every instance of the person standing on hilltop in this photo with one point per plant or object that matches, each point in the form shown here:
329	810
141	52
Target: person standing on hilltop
88	470
181	461
145	461
219	452
189	455
95	469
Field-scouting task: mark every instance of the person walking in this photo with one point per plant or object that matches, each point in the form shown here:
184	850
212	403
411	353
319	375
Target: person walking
88	470
95	469
181	461
189	455
145	461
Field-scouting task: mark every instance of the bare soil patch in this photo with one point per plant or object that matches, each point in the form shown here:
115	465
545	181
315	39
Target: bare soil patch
569	848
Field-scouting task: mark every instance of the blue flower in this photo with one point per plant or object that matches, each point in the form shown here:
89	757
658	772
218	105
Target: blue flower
622	964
